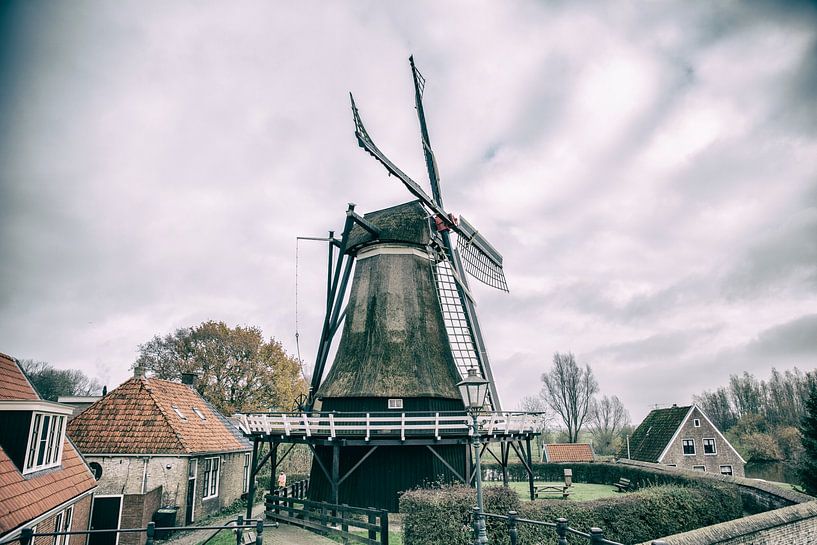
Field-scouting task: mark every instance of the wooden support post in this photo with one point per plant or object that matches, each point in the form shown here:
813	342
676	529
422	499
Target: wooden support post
384	527
344	526
335	474
372	521
530	471
504	450
253	472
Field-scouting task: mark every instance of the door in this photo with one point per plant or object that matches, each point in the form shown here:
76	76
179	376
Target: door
105	515
191	491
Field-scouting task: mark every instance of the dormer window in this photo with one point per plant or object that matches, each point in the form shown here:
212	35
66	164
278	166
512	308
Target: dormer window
45	440
178	412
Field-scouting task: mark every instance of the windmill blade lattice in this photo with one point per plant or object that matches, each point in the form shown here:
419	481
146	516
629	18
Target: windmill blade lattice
460	335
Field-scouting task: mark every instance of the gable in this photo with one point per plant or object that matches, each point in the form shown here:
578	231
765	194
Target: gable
650	439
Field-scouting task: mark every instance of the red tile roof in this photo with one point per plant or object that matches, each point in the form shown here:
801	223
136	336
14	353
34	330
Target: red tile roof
139	417
569	452
25	498
14	383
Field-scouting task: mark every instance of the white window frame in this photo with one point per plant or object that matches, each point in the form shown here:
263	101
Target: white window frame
194	464
62	523
178	412
246	472
199	413
208	477
395	403
731	470
696	422
699	468
693	446
52	444
714	446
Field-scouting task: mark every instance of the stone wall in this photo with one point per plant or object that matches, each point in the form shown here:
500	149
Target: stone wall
124	475
230	486
724	454
793	525
756	495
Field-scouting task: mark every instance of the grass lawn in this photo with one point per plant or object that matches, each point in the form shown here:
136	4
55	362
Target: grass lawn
224	537
578	492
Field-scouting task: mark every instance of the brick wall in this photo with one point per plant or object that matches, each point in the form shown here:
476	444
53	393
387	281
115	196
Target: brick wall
725	455
137	511
81	519
793	525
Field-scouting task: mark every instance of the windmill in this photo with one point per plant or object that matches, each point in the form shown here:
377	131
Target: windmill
410	330
473	254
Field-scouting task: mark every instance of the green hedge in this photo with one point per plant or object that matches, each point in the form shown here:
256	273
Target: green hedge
441	516
635	517
600	473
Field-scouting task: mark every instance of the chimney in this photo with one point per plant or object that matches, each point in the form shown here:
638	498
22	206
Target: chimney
138	371
189	378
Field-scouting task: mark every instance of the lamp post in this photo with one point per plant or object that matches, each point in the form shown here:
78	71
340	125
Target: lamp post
473	390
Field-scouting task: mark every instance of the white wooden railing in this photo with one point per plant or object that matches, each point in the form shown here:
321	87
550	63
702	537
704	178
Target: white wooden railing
331	425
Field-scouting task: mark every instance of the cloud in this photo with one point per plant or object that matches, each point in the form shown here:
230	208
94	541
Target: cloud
648	172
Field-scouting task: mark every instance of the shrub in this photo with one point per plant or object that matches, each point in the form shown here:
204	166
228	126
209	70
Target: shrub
443	515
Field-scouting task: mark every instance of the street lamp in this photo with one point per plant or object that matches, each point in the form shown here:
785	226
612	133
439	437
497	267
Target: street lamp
473	390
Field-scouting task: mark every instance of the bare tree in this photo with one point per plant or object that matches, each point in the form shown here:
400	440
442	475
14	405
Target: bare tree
51	383
568	390
606	420
536	404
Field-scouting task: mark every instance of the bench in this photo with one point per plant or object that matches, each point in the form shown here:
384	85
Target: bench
622	485
557	489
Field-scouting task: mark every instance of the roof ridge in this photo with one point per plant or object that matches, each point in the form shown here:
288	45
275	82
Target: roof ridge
182	443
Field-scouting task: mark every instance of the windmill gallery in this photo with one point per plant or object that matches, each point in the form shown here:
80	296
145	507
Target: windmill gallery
388	416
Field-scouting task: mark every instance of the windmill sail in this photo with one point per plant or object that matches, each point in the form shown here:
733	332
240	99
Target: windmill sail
484	262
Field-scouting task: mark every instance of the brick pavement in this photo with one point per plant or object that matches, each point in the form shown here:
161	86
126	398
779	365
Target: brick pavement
283	535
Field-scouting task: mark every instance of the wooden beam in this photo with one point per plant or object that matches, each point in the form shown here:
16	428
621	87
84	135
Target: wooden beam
446	464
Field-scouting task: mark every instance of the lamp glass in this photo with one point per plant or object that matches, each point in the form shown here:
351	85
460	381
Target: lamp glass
473	390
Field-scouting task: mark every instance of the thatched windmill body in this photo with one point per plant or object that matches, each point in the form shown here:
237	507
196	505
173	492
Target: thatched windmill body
410	332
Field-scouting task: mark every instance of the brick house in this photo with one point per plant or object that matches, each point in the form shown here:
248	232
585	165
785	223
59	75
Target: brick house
150	434
683	437
45	484
568	452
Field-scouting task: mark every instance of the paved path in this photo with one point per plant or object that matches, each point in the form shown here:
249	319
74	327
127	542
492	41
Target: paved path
283	535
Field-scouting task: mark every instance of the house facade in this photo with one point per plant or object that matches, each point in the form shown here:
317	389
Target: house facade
45	485
155	443
684	437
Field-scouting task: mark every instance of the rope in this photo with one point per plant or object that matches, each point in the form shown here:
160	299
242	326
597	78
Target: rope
297	329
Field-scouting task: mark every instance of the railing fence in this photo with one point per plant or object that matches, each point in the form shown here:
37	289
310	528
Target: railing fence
329	518
240	525
595	536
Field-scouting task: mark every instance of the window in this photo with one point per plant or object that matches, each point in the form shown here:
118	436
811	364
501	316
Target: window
211	477
96	469
699	468
44	442
246	473
696	422
689	447
199	413
178	412
726	470
62	523
709	446
395	404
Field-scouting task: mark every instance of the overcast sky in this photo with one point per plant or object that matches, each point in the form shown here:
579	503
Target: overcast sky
648	171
